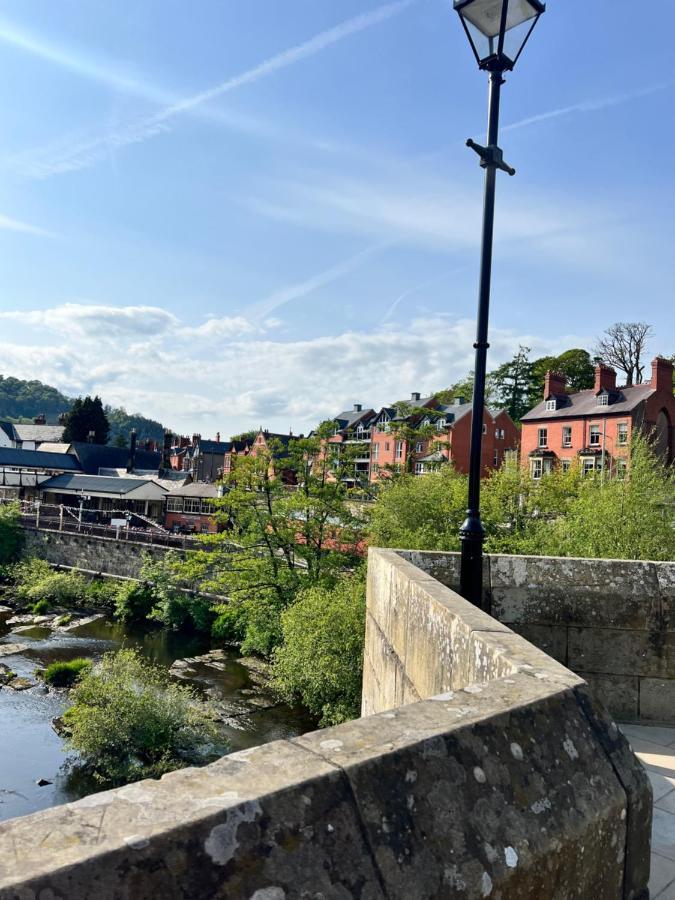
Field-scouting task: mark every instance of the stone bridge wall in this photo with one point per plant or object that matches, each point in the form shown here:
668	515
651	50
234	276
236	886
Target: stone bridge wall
610	621
511	782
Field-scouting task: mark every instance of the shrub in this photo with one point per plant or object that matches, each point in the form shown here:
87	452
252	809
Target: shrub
133	602
129	722
39	607
321	660
35	580
65	674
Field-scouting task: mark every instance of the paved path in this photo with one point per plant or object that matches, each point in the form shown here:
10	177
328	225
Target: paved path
655	747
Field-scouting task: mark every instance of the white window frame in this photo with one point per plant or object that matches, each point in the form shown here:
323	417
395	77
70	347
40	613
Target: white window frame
398	450
376	451
551	405
594	436
419	468
484	428
589	466
495	458
192	506
542	437
419	447
567	436
622	434
565	464
440	425
536	468
603	400
174	504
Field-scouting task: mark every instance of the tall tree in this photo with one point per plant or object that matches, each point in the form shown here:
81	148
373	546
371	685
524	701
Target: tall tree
576	365
623	345
87	421
511	384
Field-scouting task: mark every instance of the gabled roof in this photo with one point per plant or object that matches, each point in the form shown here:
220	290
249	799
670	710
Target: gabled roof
101	484
351	417
93	457
8	428
38	432
36	459
584	403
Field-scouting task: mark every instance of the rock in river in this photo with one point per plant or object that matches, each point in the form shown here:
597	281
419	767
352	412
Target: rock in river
11	649
6	674
20	684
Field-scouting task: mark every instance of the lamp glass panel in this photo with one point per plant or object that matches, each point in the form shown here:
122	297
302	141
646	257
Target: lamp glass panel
486	15
516	37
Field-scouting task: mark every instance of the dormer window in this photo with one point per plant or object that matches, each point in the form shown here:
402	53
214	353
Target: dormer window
440	425
603	400
551	405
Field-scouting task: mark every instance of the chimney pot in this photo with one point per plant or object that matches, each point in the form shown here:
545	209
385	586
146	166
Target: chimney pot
415	395
358	407
459	401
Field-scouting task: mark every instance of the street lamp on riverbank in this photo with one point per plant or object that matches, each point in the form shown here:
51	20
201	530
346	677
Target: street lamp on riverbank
498	31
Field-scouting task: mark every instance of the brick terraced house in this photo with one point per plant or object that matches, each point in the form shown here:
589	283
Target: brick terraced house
595	426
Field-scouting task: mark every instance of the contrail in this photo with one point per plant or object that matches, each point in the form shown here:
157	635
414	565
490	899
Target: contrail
84	155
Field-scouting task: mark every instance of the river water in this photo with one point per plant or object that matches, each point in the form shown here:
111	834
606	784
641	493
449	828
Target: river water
31	750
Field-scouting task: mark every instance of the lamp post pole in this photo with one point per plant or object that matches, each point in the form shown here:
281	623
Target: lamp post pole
472	533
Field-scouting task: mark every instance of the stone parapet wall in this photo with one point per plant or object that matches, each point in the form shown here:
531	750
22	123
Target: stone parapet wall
510	782
610	621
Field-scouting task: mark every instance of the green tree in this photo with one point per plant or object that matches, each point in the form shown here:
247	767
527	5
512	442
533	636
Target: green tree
320	662
575	364
11	534
420	513
280	539
511	384
128	721
87	417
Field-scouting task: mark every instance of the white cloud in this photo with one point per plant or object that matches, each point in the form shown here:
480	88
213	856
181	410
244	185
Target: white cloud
9	224
228	383
102	322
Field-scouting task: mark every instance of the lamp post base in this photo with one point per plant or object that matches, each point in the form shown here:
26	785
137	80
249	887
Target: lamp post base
472	537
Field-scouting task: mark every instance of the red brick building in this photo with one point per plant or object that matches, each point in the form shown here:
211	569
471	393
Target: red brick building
192	509
384	440
595	426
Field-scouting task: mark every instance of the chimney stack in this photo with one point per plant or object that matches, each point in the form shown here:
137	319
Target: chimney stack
132	451
415	395
605	378
459	401
40	420
217	437
358	407
555	383
662	375
195	439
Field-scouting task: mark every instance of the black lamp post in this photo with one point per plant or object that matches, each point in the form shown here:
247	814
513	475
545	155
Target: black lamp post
498	31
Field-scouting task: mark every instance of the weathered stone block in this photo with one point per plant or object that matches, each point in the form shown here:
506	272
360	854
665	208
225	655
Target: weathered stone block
618	693
551	639
617	652
657	700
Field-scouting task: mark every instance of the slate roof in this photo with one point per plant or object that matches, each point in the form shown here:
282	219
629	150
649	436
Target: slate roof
93	457
206	491
8	428
38	432
350	417
98	484
36	459
219	448
584	404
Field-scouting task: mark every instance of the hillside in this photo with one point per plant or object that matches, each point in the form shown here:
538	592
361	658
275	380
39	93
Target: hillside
21	399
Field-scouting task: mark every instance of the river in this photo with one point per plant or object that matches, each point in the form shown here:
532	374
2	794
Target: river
31	750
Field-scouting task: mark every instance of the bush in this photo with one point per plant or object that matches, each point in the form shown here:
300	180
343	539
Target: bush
65	674
133	602
40	607
129	722
321	660
35	580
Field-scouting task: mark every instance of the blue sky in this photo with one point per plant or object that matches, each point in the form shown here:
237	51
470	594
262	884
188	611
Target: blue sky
245	212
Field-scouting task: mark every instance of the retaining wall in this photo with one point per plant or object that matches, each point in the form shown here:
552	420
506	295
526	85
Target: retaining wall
121	559
511	782
610	621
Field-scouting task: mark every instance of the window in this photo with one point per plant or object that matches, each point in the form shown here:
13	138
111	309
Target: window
376	451
589	466
595	436
502	434
386	447
621	468
537	468
566	464
419	468
543	437
551	405
399	450
495	461
484	428
440	425
419	447
174	504
622	433
193	505
603	400
567	436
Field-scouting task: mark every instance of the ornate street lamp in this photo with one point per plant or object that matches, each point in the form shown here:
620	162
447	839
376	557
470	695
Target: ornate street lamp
498	31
